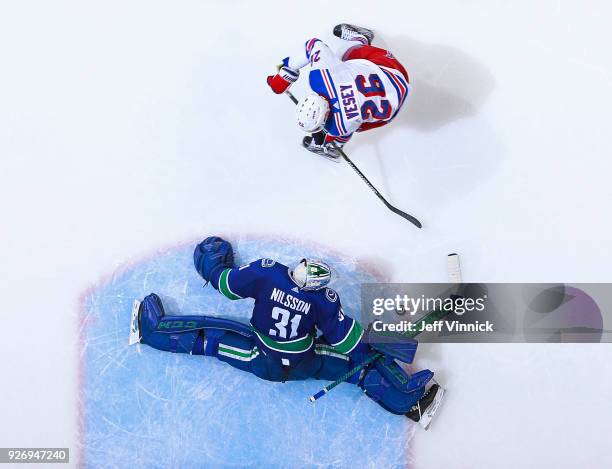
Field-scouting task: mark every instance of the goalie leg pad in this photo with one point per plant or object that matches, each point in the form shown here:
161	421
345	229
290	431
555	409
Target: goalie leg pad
229	341
179	334
185	334
392	388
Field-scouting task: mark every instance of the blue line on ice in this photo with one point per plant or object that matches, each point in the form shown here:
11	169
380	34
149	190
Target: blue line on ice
144	408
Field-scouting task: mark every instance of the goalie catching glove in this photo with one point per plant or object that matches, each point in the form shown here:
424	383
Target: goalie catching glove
211	255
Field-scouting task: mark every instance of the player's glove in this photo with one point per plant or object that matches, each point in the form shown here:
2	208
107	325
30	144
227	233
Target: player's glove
283	79
211	254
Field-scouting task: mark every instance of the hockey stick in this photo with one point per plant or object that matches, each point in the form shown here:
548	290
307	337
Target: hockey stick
427	319
454	275
395	210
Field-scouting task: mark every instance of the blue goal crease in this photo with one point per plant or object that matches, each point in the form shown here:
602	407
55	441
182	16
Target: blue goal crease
143	408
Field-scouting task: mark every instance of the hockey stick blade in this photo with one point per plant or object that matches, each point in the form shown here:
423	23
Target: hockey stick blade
453	267
395	210
408	217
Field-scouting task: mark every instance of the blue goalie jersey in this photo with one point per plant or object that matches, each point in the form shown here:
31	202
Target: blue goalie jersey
285	319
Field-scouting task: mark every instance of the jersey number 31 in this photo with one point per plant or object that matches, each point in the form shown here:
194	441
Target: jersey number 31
281	326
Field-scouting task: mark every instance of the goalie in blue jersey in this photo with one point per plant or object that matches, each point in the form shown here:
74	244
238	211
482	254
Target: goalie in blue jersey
281	342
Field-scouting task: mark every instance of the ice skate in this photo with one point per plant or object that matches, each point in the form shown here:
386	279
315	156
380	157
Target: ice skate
327	151
135	324
425	409
348	32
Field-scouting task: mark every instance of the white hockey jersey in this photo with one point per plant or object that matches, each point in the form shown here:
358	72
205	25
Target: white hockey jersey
361	93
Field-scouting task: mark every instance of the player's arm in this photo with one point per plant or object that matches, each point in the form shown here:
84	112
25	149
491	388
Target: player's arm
341	331
214	260
289	69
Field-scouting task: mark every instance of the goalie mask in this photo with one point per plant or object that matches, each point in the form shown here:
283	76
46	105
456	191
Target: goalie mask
311	275
312	113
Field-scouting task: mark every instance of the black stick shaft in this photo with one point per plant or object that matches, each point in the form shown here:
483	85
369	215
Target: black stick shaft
394	209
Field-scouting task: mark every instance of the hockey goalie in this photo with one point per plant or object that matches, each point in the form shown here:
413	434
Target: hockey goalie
357	88
281	343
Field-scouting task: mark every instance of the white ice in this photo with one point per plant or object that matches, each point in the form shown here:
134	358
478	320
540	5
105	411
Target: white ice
129	126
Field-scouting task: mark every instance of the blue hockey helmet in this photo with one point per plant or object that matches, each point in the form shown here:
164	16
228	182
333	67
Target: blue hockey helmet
311	274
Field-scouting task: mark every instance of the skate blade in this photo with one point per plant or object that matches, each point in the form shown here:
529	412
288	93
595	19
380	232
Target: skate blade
328	158
430	413
134	331
331	158
324	155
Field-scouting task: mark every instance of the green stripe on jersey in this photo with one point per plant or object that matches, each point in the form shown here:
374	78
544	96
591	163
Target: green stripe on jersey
224	287
238	354
292	346
352	338
321	349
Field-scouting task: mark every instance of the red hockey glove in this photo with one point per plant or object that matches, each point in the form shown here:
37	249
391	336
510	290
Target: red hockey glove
282	80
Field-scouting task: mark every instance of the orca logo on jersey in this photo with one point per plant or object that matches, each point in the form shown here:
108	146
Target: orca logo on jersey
349	101
331	295
267	262
290	301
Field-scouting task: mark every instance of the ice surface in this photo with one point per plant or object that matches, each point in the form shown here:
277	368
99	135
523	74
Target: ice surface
146	408
130	125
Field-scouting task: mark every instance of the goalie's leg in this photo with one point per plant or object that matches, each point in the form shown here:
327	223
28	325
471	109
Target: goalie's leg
229	341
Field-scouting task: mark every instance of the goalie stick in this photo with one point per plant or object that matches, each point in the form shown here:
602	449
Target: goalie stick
453	268
395	210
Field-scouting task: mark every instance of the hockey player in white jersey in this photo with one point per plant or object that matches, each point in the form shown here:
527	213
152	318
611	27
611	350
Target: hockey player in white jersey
356	89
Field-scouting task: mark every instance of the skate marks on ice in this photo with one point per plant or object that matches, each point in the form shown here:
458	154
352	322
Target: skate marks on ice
146	408
448	84
439	139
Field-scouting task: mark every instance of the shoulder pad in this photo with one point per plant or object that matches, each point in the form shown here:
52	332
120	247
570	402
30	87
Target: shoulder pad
331	295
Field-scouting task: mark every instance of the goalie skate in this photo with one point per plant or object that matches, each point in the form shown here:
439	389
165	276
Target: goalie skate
430	412
425	409
135	324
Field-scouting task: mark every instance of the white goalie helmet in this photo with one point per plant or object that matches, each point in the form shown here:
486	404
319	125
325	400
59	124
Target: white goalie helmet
312	112
310	274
